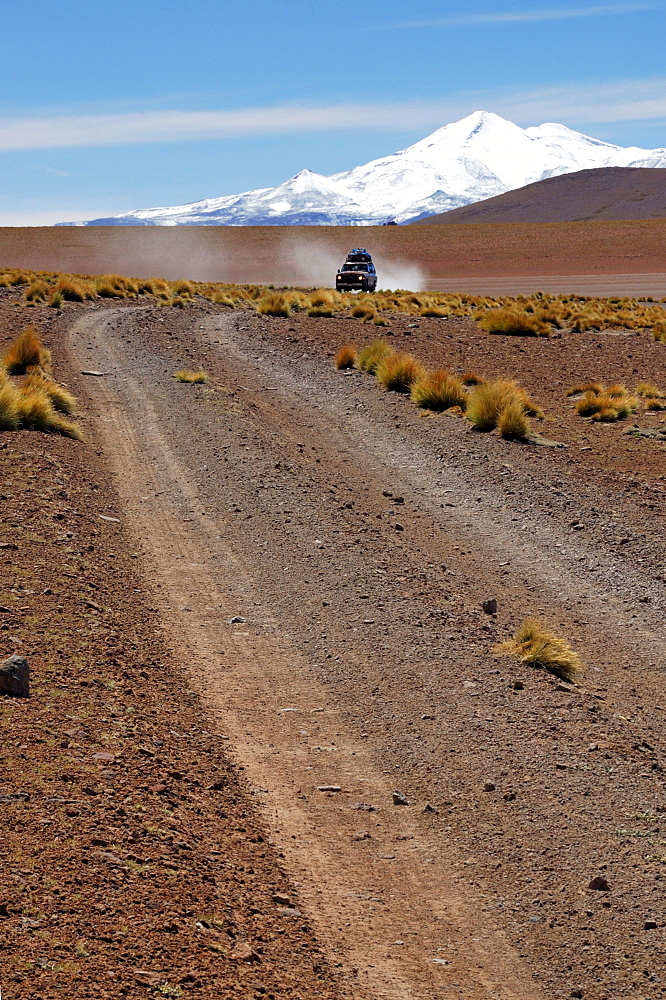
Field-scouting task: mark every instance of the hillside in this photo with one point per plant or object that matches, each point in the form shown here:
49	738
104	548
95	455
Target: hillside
604	193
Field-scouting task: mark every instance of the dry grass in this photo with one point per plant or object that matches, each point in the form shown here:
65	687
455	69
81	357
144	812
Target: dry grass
649	390
398	371
274	304
346	356
191	377
438	391
535	646
26	351
659	403
61	400
606	405
512	322
472	378
321	303
659	332
370	356
9	414
584	387
487	402
513	423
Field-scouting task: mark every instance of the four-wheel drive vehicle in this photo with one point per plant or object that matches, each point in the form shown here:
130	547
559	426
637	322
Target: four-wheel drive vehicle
357	273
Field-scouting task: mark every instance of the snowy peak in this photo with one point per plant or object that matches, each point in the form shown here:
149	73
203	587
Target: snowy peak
478	157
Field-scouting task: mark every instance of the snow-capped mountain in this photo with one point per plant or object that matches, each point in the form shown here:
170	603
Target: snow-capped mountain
478	157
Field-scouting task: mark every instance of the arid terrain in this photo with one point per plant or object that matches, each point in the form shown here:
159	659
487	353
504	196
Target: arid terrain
621	193
589	258
271	750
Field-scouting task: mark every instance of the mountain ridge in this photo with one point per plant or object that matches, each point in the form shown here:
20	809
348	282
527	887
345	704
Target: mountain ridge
479	157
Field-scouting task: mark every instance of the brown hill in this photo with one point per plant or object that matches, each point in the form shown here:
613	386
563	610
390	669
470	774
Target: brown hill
612	193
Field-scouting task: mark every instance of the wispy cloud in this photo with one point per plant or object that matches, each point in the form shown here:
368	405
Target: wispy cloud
571	104
527	16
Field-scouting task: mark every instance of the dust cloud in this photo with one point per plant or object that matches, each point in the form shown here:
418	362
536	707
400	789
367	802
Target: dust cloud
317	263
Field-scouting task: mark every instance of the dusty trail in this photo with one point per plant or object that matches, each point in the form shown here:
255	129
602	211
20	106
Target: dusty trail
360	626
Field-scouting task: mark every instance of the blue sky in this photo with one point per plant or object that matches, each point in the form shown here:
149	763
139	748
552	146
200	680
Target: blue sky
107	108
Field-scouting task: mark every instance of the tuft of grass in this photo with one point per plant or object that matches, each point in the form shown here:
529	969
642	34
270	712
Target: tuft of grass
398	371
658	403
24	352
438	390
472	378
37	291
9	412
274	304
369	356
320	303
346	356
659	332
513	323
192	377
56	299
62	400
606	405
535	646
585	387
365	311
513	423
649	390
487	402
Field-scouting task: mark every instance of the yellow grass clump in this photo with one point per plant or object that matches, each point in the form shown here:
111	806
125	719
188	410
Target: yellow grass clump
398	371
438	390
512	322
513	423
369	356
9	413
659	332
649	390
320	303
274	304
606	405
535	646
488	400
346	356
37	413
26	351
61	399
191	377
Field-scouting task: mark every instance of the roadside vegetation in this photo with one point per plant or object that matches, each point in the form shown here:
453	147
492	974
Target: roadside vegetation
536	315
30	398
192	377
536	646
487	404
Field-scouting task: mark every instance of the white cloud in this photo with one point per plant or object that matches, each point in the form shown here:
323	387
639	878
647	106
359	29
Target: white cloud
529	16
571	104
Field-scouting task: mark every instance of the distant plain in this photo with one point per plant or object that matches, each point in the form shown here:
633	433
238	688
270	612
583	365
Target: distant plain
601	257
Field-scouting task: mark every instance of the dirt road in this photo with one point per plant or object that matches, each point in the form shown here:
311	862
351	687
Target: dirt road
318	554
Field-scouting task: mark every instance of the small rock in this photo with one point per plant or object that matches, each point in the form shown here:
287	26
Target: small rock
428	808
489	786
509	796
281	899
518	686
363	835
243	952
9	545
289	911
236	620
577	994
398	527
650	925
599	883
365	807
563	687
15	677
400	799
329	788
490	607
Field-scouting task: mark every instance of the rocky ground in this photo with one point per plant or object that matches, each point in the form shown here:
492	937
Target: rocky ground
281	625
